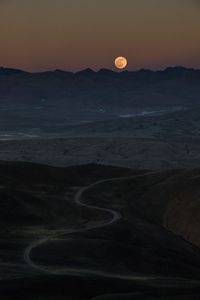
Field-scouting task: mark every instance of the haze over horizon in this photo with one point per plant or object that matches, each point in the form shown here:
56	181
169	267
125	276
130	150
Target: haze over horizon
74	35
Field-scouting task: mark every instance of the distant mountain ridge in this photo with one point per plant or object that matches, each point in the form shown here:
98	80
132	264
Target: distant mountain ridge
102	89
175	69
10	71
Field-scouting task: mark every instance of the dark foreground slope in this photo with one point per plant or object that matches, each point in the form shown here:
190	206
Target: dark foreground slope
140	256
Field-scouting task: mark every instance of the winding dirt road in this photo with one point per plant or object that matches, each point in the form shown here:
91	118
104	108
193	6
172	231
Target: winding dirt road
115	216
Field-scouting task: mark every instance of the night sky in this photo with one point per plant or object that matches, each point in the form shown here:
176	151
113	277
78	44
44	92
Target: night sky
76	34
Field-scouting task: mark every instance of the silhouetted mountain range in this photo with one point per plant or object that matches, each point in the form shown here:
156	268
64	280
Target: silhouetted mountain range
102	89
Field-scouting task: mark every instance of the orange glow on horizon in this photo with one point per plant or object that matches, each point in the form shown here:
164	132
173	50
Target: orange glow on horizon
74	35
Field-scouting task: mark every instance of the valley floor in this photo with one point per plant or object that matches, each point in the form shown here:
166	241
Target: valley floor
137	153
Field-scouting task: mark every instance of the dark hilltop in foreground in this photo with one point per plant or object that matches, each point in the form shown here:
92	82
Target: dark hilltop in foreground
98	232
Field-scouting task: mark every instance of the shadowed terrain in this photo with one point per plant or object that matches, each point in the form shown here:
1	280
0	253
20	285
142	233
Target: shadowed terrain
166	141
52	103
150	251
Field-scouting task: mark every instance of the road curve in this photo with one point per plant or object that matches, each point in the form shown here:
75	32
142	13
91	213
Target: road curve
115	216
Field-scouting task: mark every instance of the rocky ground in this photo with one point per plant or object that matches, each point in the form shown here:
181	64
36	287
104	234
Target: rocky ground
150	253
171	140
126	152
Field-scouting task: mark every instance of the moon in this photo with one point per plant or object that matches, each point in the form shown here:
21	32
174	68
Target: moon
121	62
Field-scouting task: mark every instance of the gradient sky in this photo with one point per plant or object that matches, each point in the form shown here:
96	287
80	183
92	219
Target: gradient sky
75	34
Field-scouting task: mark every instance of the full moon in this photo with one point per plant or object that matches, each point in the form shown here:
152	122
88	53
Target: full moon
121	62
